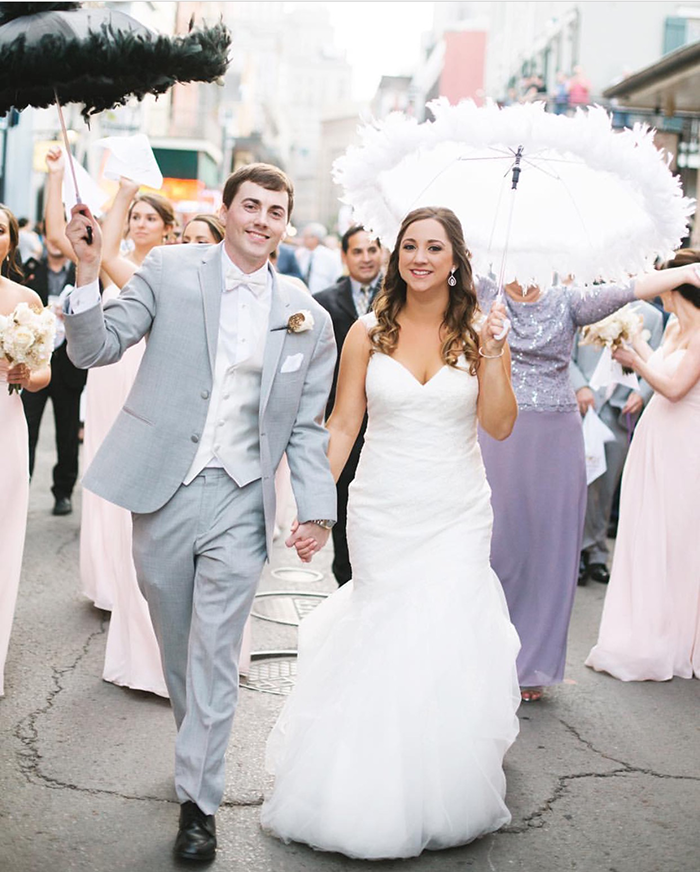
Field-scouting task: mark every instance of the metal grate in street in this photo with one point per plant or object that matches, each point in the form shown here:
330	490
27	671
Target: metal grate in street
285	607
271	672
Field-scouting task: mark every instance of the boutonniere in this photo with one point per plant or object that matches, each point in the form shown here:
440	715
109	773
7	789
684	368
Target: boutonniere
300	321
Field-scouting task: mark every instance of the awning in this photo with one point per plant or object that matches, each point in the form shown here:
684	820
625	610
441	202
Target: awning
668	86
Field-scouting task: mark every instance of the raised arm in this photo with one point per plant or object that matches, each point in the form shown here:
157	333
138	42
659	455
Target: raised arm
96	337
674	387
350	399
650	285
119	268
54	214
496	405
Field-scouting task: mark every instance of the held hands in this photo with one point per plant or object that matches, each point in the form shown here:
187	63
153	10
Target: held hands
494	330
308	539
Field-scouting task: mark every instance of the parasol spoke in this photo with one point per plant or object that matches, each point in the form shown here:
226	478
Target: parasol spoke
433	180
542	170
504	157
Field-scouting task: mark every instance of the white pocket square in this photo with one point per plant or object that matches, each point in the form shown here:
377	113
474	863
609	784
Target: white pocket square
292	363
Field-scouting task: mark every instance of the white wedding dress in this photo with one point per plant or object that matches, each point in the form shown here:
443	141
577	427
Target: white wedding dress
393	739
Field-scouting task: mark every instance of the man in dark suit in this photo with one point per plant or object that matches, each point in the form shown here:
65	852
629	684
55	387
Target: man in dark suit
350	297
286	262
48	277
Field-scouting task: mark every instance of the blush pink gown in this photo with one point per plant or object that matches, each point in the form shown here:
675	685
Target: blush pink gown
650	629
14	498
108	576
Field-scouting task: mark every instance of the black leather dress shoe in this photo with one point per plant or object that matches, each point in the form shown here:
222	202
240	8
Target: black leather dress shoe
196	837
598	572
62	506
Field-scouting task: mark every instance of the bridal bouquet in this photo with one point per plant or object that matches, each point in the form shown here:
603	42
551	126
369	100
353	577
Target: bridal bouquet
26	336
614	331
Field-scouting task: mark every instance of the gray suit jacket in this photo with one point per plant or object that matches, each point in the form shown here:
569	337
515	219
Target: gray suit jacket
584	360
175	299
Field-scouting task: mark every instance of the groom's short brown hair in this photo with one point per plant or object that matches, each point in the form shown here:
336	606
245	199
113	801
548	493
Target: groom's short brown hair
266	175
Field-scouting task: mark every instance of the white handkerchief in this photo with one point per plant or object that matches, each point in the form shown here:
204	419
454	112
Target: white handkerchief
292	362
609	371
595	434
133	158
90	192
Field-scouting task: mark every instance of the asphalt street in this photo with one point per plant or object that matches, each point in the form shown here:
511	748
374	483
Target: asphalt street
604	777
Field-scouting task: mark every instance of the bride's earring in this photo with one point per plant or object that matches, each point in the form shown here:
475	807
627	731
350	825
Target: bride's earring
452	281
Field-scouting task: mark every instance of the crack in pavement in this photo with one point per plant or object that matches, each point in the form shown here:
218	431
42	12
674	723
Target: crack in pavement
536	820
71	540
29	757
27	732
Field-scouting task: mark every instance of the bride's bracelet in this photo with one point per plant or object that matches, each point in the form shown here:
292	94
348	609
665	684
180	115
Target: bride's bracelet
491	356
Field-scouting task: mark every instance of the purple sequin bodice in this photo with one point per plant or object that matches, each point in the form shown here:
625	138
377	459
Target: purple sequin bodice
542	336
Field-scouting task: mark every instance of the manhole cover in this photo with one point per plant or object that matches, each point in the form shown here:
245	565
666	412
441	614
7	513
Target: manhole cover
296	573
285	606
271	672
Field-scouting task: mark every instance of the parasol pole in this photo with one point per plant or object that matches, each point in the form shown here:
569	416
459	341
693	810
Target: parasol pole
70	159
516	169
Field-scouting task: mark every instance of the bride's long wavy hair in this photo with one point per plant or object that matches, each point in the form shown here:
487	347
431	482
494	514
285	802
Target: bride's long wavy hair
459	335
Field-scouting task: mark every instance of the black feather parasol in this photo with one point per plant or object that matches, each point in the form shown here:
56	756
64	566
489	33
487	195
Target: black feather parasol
97	56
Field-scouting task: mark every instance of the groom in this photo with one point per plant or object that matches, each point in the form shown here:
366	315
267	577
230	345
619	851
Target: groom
236	372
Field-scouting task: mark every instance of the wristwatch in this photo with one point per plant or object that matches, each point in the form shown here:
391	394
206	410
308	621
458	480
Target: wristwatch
324	524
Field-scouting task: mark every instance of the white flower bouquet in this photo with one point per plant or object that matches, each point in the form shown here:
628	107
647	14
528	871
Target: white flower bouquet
614	331
26	337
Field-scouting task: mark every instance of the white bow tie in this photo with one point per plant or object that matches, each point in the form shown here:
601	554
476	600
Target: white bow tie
236	280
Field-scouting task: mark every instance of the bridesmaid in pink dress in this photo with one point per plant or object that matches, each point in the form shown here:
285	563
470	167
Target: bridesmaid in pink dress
107	569
650	629
14	450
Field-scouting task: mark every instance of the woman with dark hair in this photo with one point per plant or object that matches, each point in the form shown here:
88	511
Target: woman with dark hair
650	629
204	229
393	738
14	442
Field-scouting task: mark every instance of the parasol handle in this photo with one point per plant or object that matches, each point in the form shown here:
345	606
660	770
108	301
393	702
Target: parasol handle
70	160
516	169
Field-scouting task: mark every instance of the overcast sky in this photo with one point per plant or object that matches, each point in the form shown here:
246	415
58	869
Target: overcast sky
378	38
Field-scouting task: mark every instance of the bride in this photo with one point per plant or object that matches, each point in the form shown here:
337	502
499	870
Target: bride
393	739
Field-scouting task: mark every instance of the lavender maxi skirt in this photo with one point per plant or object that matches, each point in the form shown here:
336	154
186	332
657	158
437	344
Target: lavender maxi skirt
538	481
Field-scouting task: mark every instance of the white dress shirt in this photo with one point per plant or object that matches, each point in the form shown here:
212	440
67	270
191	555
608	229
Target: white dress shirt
231	432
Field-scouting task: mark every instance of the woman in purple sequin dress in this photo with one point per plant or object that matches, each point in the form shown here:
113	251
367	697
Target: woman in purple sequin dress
537	476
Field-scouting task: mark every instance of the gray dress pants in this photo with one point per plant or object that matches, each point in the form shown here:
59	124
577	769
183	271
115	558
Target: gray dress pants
198	561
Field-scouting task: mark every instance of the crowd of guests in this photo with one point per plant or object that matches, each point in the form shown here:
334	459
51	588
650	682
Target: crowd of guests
415	323
550	532
569	91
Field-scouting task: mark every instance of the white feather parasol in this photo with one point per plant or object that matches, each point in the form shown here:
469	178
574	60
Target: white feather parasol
590	200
